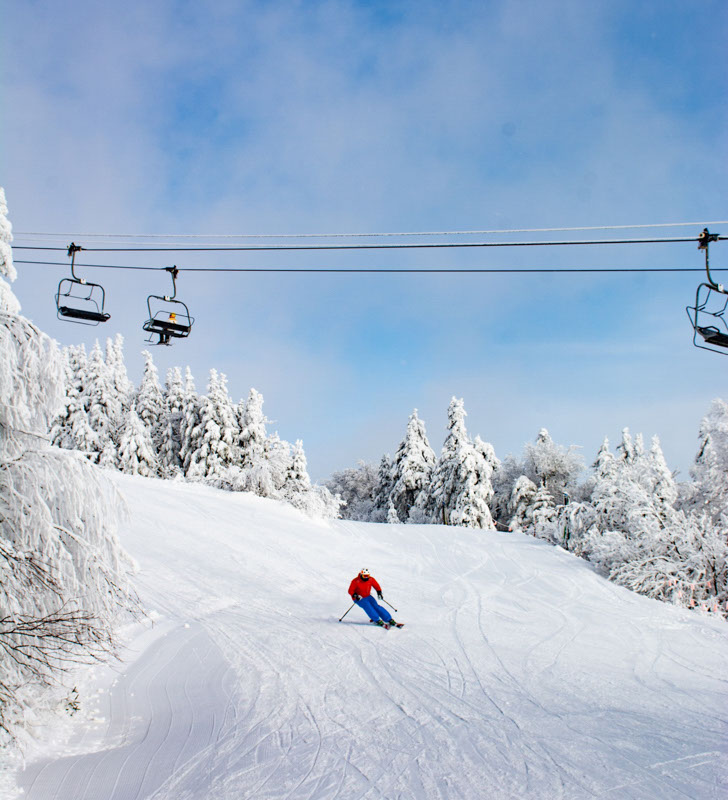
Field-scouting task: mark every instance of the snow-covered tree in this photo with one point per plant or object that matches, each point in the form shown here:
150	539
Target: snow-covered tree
392	517
219	431
102	404
8	301
297	481
459	490
552	465
122	387
149	402
63	576
383	489
190	428
543	513
411	469
136	452
522	501
172	435
252	424
356	487
709	491
71	429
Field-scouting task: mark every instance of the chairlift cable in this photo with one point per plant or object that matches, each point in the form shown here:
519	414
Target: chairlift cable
398	246
362	235
392	270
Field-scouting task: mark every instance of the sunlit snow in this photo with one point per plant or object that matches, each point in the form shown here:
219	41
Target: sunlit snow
520	673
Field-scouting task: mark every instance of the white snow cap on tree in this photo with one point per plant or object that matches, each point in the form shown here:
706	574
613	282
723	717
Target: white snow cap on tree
412	467
8	301
457	495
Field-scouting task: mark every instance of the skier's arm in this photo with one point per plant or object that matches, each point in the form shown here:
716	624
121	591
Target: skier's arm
378	588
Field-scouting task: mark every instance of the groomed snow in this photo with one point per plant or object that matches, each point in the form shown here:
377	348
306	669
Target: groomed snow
520	673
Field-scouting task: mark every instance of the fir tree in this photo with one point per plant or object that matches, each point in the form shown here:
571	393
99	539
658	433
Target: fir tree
253	435
456	496
149	402
412	467
136	450
190	428
522	502
218	429
172	435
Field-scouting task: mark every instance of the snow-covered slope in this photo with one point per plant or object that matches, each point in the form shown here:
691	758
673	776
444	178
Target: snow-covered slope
519	674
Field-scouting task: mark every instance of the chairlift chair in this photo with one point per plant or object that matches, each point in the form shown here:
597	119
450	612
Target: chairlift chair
78	300
707	316
169	318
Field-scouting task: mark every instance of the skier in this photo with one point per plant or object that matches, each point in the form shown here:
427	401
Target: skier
360	591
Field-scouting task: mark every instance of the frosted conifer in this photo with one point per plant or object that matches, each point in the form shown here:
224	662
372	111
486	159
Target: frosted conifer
190	428
136	451
392	518
218	428
172	436
253	435
412	467
100	399
149	402
522	502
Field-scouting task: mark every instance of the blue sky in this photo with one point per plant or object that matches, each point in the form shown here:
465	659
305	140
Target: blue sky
307	117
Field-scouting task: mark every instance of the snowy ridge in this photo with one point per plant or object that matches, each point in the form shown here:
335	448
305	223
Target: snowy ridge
520	673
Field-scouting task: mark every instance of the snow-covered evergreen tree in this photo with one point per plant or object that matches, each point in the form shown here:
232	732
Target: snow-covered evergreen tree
172	435
136	454
190	429
219	431
122	387
383	489
253	434
411	469
100	400
392	517
149	402
522	502
543	513
457	495
709	492
297	480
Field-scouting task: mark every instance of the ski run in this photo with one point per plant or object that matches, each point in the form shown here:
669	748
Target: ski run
520	672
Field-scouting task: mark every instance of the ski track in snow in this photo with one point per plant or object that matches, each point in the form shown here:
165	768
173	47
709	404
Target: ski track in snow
519	674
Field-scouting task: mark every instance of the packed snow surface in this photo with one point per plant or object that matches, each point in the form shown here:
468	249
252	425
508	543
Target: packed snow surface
519	674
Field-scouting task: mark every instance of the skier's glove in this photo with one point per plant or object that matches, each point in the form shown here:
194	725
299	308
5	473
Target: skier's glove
380	595
356	598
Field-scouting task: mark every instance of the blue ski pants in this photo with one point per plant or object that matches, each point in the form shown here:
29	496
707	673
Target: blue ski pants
375	611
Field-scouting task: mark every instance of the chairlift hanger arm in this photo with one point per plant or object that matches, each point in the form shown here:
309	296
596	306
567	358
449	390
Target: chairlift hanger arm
704	240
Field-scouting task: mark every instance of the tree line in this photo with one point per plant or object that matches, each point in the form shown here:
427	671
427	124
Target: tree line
627	514
173	432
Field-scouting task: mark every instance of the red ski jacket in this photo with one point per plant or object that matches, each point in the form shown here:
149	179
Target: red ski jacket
363	588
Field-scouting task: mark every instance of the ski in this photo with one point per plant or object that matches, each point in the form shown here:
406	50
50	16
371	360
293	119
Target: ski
397	625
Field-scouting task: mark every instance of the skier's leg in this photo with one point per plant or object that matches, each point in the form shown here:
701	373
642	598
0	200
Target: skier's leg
382	611
368	604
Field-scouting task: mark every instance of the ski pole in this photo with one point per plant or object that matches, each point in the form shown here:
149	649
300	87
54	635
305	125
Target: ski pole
389	604
348	610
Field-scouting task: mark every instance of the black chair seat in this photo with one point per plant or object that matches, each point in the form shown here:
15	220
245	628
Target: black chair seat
713	336
165	326
81	313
